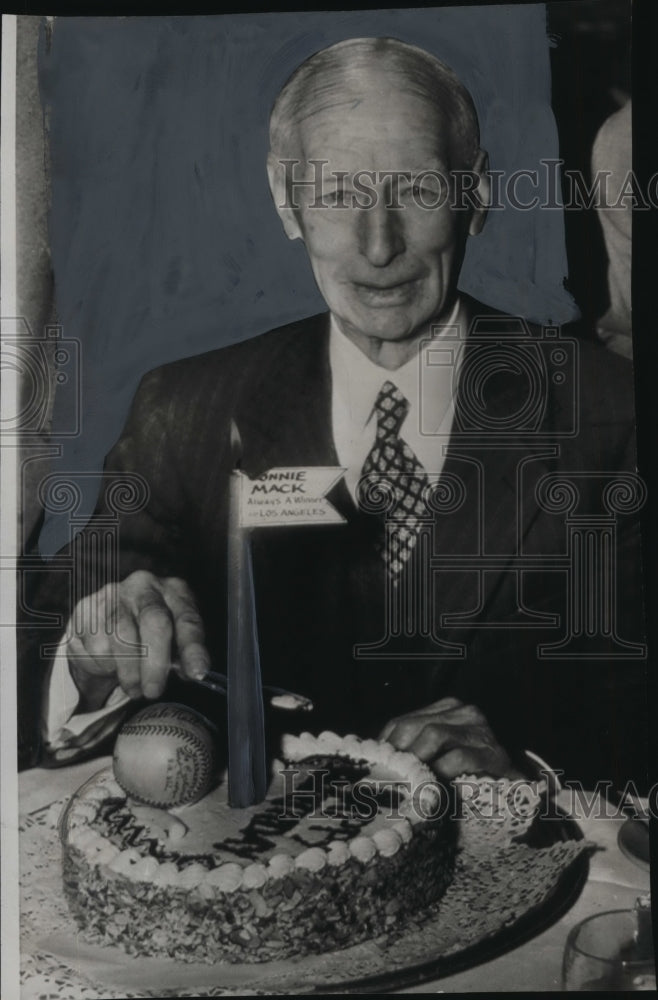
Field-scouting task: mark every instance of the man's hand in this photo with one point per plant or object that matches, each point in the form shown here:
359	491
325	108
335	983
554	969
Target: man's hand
452	738
160	614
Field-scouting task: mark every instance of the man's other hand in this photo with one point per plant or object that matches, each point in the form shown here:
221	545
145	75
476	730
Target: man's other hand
452	738
106	627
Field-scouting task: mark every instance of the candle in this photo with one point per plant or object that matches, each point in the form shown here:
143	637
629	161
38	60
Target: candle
247	781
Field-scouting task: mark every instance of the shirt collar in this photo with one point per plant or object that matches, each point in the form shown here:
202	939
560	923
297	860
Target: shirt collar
357	380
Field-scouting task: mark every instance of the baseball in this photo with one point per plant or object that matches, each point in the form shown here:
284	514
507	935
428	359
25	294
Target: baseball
166	756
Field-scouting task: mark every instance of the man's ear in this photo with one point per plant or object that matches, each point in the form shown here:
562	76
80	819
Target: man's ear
483	191
276	173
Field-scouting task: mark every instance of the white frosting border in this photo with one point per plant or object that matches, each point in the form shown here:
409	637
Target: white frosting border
228	876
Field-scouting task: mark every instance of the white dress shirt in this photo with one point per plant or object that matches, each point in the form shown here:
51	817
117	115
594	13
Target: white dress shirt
428	381
63	731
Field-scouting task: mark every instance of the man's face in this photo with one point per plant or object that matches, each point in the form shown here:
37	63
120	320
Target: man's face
385	265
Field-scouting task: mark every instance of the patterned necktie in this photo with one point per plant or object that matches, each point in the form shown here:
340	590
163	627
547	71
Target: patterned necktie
392	462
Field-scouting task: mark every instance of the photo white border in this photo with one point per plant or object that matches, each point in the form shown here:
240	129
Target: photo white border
9	910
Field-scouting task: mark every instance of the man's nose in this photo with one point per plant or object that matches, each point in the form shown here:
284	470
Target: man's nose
381	233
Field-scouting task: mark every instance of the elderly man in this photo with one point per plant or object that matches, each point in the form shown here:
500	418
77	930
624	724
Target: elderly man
366	140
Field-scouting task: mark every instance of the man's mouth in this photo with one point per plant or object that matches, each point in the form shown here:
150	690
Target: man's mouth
386	295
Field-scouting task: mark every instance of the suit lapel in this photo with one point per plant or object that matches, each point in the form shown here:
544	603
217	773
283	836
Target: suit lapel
497	474
286	419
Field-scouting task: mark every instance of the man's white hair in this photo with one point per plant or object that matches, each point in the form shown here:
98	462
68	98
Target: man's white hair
325	76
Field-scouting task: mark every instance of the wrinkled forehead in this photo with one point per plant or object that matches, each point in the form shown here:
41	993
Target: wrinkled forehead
373	115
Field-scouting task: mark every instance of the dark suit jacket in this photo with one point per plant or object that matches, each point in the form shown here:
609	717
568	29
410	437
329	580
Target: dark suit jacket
321	590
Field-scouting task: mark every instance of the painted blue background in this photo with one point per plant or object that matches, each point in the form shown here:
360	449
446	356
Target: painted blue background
164	238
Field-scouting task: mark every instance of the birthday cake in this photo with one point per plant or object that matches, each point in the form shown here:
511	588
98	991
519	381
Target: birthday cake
352	839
